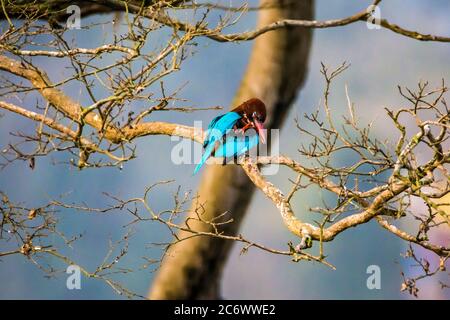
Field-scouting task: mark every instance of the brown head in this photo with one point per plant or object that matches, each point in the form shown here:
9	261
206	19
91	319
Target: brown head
253	114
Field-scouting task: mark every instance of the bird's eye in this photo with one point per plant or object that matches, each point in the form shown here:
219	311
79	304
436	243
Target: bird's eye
254	114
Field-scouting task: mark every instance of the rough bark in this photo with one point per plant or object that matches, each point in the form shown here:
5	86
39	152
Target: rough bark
277	68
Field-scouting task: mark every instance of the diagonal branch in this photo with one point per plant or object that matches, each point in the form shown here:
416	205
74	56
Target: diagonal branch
290	220
73	135
301	229
74	110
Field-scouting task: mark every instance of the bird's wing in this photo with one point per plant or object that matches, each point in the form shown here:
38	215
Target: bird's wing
211	126
216	130
219	126
208	150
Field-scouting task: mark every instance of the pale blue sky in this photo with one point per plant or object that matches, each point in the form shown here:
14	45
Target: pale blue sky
379	61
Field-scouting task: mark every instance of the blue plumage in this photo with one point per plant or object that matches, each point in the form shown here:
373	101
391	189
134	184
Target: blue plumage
250	114
236	146
216	130
219	126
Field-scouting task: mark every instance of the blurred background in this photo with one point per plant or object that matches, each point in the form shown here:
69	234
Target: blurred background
380	60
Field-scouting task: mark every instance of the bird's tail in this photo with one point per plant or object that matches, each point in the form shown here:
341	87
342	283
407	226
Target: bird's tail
209	149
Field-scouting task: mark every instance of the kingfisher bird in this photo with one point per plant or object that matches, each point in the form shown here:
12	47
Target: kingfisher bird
251	114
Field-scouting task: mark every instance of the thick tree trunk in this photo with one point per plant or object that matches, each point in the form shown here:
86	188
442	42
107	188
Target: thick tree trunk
278	65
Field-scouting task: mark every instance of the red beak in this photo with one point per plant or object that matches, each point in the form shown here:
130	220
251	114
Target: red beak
260	130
